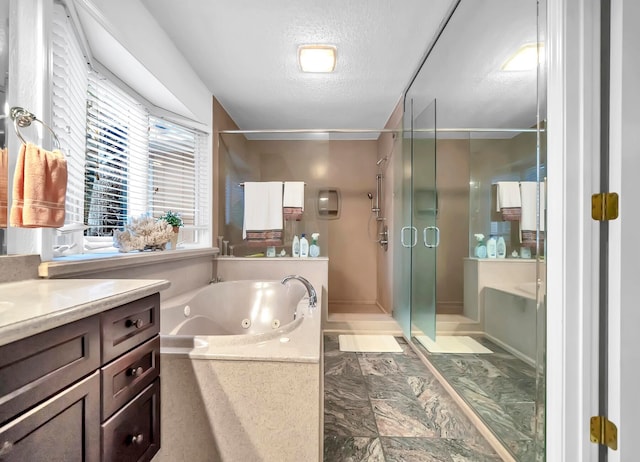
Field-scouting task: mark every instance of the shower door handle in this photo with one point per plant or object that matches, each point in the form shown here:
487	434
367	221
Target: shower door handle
424	236
414	234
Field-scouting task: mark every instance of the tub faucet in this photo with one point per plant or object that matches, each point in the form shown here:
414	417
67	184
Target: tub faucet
313	298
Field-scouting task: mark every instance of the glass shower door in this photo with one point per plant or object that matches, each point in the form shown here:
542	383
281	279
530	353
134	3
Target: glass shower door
403	235
423	216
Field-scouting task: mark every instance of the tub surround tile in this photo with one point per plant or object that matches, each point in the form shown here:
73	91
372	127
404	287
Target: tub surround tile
349	418
352	449
342	364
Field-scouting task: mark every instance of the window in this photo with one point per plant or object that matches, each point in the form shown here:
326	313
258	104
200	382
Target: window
123	160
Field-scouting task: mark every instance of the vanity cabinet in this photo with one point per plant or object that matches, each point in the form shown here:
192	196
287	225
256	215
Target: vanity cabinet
85	391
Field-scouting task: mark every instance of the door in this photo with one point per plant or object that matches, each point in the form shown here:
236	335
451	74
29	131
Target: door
624	250
417	235
423	217
404	236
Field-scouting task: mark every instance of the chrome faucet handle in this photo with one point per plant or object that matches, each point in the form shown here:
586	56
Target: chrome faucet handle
313	297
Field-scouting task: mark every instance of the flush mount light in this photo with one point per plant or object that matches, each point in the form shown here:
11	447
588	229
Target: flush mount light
317	58
526	58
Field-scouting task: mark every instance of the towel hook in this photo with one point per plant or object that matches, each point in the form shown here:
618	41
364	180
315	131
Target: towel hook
23	118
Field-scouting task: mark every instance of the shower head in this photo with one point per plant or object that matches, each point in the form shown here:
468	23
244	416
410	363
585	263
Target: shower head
384	159
370	196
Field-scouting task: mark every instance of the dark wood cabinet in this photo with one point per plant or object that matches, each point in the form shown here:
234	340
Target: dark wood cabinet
64	428
86	391
133	433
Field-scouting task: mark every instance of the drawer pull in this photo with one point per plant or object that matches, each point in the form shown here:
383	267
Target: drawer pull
136	439
138	323
135	371
6	448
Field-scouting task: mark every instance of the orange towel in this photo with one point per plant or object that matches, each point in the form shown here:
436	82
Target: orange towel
4	187
39	188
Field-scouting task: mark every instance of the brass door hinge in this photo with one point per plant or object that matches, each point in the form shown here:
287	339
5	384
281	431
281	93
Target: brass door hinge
604	206
605	432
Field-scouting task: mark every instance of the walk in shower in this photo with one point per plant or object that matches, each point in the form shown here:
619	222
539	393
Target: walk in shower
345	202
474	124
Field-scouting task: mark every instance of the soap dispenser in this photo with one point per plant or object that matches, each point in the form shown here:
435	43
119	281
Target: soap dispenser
295	246
304	246
501	248
491	247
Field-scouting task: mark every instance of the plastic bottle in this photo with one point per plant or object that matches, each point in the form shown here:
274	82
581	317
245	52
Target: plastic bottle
295	246
314	249
501	248
304	247
491	247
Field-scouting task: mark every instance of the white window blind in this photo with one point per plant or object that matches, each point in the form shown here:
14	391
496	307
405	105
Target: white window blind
69	96
178	175
116	157
123	162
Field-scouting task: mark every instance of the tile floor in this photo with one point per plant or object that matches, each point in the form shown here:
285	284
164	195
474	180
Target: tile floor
501	389
388	407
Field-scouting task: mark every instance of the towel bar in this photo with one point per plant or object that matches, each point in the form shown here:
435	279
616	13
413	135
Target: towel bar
242	184
23	118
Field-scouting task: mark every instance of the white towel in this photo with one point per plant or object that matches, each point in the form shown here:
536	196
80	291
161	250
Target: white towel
293	194
262	206
508	195
528	193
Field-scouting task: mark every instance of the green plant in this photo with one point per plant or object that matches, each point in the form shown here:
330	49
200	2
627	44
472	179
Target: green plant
173	218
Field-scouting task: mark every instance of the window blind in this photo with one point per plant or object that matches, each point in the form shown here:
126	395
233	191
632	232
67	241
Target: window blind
116	157
68	113
123	161
178	174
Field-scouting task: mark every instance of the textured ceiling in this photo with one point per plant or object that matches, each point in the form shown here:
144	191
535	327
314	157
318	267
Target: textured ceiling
245	51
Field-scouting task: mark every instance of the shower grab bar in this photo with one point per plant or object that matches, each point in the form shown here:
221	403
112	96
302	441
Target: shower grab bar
414	234
437	234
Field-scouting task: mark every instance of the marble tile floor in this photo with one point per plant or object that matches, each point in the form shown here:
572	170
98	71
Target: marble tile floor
501	389
389	407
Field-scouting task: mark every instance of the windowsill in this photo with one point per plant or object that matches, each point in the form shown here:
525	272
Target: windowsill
73	265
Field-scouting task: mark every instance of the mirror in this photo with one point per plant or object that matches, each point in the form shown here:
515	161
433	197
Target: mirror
490	100
4	124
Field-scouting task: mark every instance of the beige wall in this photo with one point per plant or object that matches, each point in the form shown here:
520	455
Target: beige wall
452	179
232	164
351	167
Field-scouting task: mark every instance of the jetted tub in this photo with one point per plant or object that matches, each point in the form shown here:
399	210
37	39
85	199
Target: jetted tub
234	312
241	374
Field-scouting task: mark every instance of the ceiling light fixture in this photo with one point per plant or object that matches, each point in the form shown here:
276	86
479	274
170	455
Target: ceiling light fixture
526	58
317	58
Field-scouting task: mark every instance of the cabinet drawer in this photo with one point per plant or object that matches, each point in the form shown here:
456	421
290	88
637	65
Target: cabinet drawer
62	428
128	375
37	367
126	327
133	433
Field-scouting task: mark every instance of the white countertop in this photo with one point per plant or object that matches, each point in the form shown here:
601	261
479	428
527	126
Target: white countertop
33	306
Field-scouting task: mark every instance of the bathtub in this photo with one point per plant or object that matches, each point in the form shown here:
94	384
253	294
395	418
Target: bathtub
241	374
232	313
